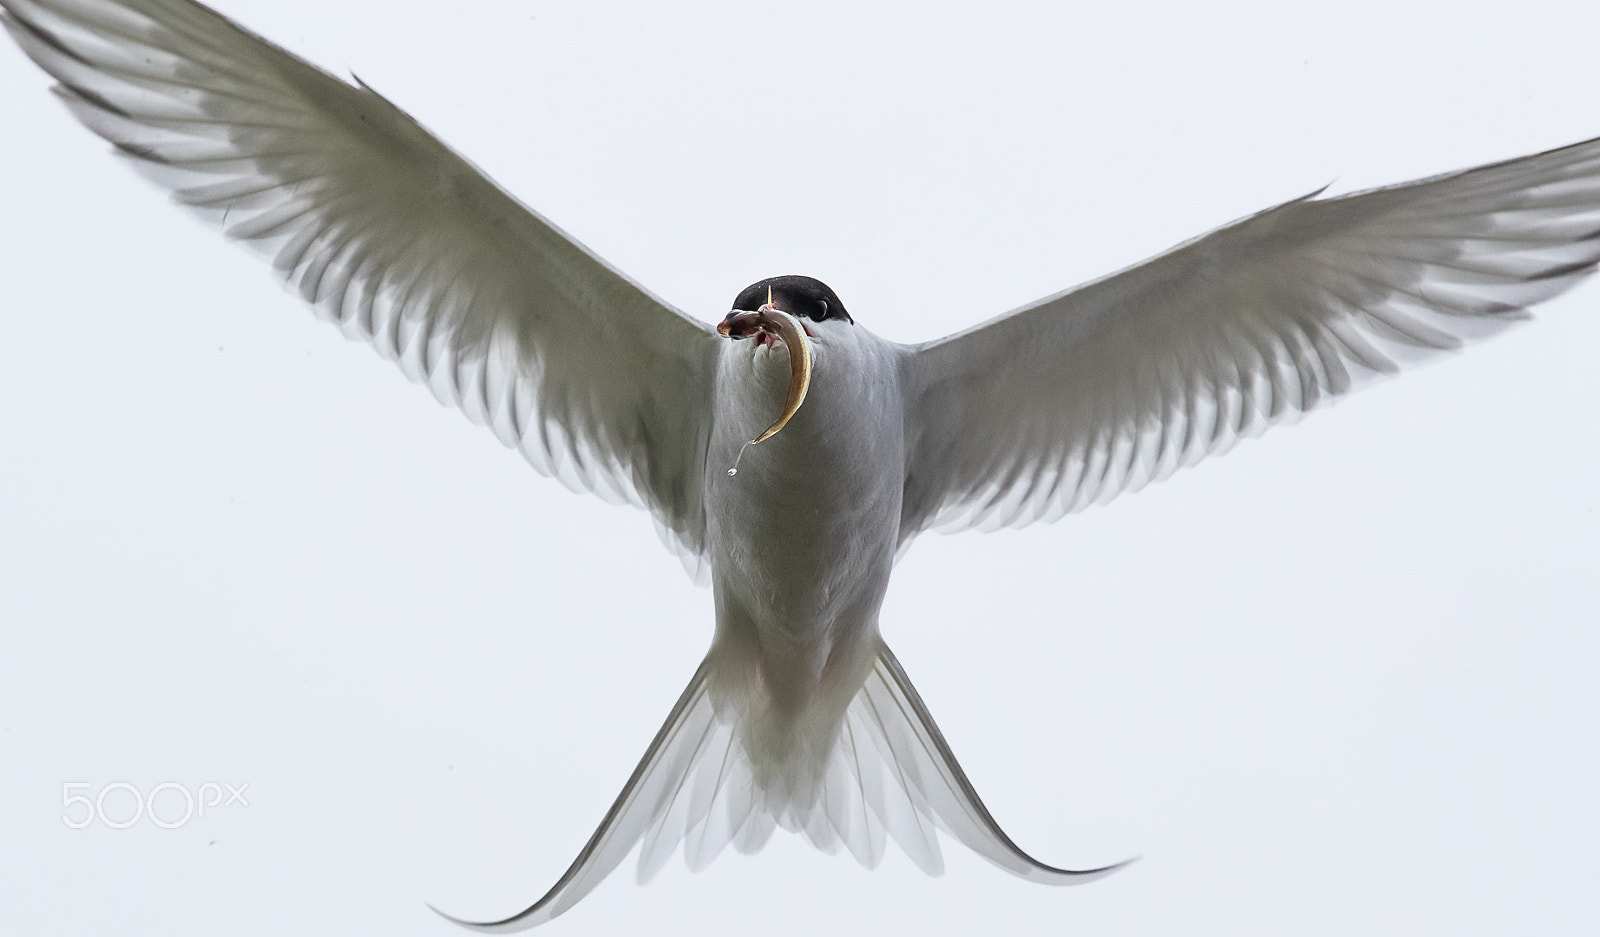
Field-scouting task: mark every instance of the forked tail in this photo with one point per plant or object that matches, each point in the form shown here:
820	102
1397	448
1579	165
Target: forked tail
889	775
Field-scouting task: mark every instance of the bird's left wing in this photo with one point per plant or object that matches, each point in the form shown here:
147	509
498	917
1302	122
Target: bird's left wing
404	244
1100	389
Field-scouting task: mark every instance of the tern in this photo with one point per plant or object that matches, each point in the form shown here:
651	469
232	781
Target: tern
789	455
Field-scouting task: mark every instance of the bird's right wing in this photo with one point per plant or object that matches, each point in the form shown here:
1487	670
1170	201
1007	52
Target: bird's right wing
398	240
1097	390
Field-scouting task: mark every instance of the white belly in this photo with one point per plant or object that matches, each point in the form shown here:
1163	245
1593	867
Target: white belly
803	537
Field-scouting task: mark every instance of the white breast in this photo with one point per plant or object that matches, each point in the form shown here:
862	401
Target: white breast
802	539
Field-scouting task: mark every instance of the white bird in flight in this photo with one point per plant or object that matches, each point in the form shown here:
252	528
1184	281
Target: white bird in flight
799	717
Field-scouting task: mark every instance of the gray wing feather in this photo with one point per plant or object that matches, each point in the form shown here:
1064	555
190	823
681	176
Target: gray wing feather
399	241
1103	388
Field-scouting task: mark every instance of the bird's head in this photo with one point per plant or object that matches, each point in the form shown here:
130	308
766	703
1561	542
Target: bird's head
793	311
807	299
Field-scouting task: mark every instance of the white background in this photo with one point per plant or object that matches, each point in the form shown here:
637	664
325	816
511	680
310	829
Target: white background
1335	683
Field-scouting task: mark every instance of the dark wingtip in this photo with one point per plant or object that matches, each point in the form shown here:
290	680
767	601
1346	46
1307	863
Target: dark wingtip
1580	266
73	92
14	20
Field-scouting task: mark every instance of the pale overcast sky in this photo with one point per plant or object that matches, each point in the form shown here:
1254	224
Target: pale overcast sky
1336	682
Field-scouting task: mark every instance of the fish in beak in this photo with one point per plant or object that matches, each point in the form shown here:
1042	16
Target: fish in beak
768	325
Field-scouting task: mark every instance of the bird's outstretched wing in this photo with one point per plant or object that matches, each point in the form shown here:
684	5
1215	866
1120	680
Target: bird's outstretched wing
399	241
1100	389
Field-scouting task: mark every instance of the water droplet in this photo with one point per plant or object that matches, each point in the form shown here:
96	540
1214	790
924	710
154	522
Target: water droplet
735	469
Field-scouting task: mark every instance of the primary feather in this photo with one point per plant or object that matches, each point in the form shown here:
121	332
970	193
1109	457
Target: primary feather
1100	389
399	241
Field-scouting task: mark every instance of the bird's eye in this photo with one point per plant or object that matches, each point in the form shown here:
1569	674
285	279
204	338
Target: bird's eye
824	304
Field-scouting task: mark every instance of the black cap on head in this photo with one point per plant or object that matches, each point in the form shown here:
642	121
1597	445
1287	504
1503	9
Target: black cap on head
796	295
